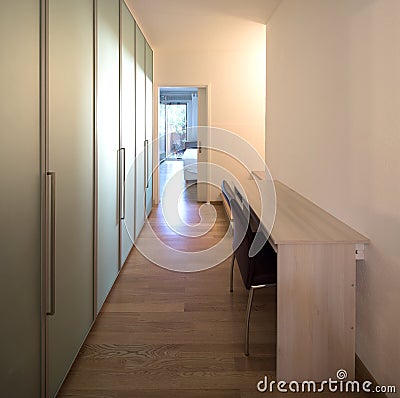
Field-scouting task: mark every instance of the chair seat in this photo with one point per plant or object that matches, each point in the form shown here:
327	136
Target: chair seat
263	268
264	277
265	272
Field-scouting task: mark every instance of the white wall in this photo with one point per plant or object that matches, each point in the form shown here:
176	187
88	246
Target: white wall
234	73
333	134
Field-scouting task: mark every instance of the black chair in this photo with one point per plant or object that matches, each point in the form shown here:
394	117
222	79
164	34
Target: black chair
256	272
227	191
253	219
227	196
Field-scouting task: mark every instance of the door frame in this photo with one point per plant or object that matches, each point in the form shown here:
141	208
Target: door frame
156	152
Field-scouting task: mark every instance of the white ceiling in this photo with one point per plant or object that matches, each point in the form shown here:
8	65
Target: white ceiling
204	23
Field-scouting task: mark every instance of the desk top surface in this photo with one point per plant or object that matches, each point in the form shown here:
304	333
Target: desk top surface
298	220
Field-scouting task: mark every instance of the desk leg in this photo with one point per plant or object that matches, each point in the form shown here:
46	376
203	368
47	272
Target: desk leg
316	311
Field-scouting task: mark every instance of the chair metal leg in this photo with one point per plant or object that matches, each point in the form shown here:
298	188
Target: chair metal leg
232	264
249	303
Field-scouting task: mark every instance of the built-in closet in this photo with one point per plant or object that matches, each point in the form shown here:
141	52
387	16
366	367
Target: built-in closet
76	165
68	179
107	145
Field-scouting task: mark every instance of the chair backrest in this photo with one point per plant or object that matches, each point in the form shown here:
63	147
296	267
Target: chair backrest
242	240
238	195
254	221
227	192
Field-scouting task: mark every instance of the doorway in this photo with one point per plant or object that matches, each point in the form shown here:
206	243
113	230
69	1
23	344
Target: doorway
180	111
177	140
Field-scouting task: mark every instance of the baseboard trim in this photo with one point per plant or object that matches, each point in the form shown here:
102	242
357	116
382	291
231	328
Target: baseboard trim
363	374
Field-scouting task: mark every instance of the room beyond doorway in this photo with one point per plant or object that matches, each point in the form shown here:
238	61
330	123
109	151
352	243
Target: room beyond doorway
177	116
182	115
177	134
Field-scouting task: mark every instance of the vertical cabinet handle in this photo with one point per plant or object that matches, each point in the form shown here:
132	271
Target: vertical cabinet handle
122	165
52	246
146	163
199	146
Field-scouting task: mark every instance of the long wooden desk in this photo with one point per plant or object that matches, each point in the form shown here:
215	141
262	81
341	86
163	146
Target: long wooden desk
316	285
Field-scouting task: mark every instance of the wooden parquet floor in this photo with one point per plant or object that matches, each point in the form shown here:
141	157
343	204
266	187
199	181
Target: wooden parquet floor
165	334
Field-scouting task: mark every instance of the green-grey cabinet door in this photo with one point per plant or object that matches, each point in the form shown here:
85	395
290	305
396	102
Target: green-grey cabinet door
108	154
127	138
20	198
149	129
140	131
70	158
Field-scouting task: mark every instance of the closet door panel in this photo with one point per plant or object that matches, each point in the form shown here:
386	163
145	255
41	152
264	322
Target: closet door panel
20	198
107	78
128	27
140	131
149	128
71	159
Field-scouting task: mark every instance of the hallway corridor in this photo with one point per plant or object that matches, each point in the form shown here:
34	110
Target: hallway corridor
168	334
163	334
